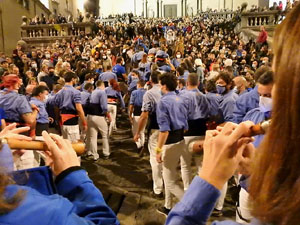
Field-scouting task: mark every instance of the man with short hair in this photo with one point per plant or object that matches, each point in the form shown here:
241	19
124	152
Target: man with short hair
68	103
96	122
119	70
172	120
107	76
150	100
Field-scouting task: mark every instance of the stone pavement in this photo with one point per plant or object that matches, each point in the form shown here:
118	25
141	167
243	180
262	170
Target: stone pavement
126	181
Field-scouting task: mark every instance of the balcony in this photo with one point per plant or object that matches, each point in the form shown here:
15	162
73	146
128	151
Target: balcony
49	33
218	15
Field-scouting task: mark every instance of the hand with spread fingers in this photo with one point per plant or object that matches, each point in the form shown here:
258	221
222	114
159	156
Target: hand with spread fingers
223	152
11	131
60	154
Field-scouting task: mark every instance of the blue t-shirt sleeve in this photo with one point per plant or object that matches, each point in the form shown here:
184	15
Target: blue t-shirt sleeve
77	96
163	119
23	105
132	98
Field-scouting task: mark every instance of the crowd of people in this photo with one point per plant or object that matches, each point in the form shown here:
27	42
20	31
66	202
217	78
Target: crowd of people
176	80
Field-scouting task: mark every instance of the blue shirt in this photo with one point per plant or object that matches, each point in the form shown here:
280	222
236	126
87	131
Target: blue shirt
67	97
151	98
84	96
185	75
214	101
244	104
42	116
78	201
99	96
136	97
196	103
132	83
106	76
171	113
14	105
197	204
50	105
2	115
111	93
119	71
227	105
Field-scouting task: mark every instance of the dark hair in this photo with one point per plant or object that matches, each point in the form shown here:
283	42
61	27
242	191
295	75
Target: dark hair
69	76
182	82
193	79
210	86
38	90
119	60
260	71
180	70
114	84
137	73
226	77
170	80
88	86
266	78
108	67
141	83
154	77
88	76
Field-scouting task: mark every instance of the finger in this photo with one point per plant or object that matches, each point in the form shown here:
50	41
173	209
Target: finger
52	146
240	131
20	130
219	128
9	127
20	137
228	128
59	141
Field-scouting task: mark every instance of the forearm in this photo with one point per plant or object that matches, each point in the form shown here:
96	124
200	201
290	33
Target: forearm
130	110
162	138
81	113
142	123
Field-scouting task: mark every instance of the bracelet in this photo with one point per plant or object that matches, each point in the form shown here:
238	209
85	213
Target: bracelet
158	150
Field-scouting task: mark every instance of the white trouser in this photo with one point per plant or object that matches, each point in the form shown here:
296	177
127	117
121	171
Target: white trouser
140	143
71	132
221	199
95	124
171	156
155	166
244	208
112	109
185	162
29	159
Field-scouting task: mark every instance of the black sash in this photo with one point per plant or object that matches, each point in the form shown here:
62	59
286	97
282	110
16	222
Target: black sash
95	110
137	110
175	136
196	127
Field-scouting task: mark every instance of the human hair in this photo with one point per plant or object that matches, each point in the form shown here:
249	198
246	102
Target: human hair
260	71
9	81
154	77
88	86
136	72
119	60
88	76
114	84
39	90
69	76
274	184
193	79
108	67
210	86
266	78
182	82
170	80
10	203
141	83
226	77
180	70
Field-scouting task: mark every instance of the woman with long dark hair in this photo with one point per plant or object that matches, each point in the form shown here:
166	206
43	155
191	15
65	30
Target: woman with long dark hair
113	97
274	170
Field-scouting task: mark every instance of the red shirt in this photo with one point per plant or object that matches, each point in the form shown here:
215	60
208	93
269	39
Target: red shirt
262	37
